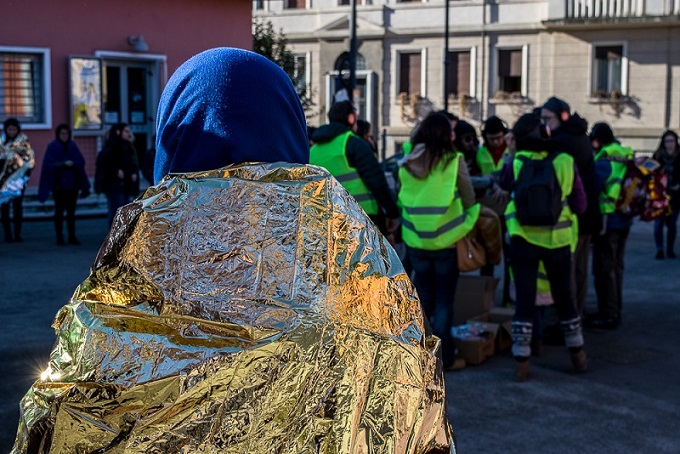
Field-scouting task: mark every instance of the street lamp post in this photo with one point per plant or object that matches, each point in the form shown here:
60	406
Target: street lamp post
353	51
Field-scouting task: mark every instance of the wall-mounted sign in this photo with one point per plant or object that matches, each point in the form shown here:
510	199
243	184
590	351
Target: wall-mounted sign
86	93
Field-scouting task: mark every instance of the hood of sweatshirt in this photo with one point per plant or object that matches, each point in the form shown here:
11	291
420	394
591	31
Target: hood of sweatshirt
228	106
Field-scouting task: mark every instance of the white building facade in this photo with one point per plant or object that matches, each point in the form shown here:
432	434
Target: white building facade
612	60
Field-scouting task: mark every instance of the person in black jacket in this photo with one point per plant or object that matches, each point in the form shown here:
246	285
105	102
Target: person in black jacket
569	132
63	175
117	173
328	152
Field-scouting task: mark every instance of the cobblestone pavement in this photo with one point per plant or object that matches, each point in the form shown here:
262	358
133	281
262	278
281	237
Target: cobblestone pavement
628	401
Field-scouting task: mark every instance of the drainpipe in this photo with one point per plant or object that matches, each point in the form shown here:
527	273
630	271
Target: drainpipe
353	51
484	89
446	56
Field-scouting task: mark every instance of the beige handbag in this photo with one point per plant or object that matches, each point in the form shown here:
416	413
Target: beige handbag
471	253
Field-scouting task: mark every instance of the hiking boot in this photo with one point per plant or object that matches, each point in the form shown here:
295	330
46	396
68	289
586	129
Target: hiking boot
457	364
579	361
660	255
522	372
671	255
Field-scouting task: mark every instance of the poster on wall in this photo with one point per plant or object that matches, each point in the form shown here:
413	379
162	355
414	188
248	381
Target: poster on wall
86	93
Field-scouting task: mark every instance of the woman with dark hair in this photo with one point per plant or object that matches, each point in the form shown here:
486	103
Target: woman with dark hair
438	210
63	175
17	159
667	153
117	173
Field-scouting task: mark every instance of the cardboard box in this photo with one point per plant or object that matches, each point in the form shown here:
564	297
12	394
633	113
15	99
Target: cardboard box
501	318
474	341
475	295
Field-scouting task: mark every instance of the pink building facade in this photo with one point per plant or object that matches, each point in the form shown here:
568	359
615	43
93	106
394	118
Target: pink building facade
94	63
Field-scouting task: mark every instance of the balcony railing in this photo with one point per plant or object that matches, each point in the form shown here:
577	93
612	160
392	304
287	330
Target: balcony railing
612	9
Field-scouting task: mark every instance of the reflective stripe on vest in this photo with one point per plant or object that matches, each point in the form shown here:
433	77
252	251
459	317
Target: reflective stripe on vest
332	156
617	155
433	216
485	161
548	236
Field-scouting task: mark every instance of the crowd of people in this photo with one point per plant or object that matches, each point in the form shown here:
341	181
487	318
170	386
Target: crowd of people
448	179
551	184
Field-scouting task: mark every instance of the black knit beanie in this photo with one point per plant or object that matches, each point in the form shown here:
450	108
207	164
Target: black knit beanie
603	133
559	107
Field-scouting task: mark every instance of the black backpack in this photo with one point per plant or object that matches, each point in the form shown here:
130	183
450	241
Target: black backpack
538	195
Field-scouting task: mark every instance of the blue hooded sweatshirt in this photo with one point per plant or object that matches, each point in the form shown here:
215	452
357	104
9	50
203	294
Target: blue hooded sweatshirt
228	106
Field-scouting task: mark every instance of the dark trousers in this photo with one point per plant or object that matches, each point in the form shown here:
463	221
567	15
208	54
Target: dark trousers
524	258
580	270
608	252
436	278
65	201
116	200
670	222
17	206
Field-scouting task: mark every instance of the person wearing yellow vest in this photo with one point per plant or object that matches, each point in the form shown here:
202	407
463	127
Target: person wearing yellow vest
492	154
550	244
610	245
350	159
438	209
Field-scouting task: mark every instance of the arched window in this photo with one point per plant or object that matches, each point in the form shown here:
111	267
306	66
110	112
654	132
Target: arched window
342	62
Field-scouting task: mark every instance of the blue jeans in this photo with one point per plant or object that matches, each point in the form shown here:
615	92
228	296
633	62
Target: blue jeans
670	222
436	278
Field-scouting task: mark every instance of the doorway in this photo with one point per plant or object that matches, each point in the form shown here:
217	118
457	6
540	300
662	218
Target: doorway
131	93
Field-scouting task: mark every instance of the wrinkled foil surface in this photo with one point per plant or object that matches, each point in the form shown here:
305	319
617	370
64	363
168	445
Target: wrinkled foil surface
250	309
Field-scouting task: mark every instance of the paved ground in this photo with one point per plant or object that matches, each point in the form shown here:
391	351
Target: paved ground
628	402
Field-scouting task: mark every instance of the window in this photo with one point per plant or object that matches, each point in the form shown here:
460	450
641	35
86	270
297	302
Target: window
300	73
510	70
410	69
25	85
608	70
459	73
295	4
258	5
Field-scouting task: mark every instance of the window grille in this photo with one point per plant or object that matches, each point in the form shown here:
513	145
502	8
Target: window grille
21	87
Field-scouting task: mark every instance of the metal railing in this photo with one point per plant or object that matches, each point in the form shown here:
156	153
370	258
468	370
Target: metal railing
603	9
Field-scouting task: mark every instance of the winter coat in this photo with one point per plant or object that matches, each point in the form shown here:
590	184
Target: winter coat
56	175
117	155
572	138
360	156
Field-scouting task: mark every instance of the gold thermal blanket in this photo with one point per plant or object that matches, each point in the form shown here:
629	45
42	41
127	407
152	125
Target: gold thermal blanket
250	309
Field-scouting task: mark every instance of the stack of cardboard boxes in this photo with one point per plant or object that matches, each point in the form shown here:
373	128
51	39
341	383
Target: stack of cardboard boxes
481	329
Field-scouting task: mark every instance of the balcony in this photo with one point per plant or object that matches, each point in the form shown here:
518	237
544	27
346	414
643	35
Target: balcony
612	11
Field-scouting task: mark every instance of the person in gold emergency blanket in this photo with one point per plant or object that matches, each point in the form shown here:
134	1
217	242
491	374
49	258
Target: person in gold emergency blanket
17	159
245	303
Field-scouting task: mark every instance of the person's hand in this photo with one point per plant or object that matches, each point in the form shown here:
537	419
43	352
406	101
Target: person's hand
499	196
68	163
133	177
121	174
